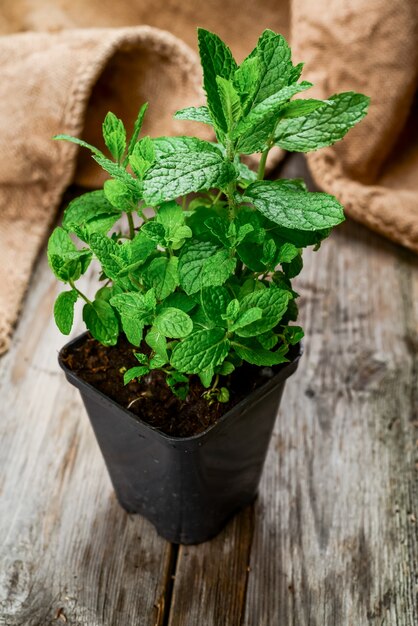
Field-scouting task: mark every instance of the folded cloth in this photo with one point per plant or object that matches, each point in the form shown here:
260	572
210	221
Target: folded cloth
66	80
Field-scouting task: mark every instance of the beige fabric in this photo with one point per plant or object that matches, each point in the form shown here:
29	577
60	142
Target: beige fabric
66	76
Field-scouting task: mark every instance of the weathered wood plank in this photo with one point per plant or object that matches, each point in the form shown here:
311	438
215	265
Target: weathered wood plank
335	540
211	578
69	553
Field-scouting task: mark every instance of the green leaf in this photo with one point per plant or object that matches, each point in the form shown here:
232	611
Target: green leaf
119	173
223	395
324	126
134	314
106	250
162	274
179	300
192	261
246	79
120	195
184	165
65	260
102	322
218	269
135	372
295	209
272	301
246	318
253	353
79	142
287	252
173	323
215	302
137	128
171	216
200	351
90	213
154	231
230	101
293	334
226	368
217	60
299	108
157	342
64	310
114	135
254	131
142	157
232	310
293	267
275	65
194	114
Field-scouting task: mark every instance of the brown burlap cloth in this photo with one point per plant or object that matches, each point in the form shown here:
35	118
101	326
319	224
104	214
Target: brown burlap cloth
63	76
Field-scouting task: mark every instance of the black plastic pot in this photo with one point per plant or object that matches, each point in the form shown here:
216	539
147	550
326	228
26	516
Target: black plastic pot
187	487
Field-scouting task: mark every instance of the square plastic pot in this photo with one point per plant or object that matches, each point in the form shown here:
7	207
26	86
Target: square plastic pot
187	487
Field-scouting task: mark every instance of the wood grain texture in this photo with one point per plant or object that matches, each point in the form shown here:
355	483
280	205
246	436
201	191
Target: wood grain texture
69	553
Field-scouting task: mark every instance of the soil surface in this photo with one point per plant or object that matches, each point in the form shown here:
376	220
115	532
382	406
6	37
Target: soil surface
151	400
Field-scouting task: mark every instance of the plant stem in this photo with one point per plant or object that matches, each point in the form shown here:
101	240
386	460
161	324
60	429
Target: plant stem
72	285
262	165
215	200
131	225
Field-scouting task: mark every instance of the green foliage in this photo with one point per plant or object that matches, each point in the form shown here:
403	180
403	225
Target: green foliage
199	285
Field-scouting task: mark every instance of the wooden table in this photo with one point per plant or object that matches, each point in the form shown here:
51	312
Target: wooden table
332	539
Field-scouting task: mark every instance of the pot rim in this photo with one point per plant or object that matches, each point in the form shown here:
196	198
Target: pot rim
242	406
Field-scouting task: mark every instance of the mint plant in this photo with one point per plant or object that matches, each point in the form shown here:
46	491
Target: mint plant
204	283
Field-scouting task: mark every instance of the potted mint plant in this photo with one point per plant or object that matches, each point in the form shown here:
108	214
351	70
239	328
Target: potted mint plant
191	332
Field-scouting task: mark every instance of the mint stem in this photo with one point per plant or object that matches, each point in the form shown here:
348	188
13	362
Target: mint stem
72	285
262	165
131	226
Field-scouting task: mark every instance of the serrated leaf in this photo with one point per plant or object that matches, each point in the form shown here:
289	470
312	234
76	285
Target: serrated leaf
114	135
293	267
184	165
226	368
191	263
268	340
79	142
218	269
246	318
272	301
246	79
294	209
293	334
157	342
179	300
120	195
217	60
119	173
324	126
102	322
200	351
154	231
64	310
106	250
299	108
137	129
142	156
171	216
254	131
65	260
173	323
232	310
134	314
194	114
286	253
256	355
135	372
275	65
215	302
90	213
162	274
230	101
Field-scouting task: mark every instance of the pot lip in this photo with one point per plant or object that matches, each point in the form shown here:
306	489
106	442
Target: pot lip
287	370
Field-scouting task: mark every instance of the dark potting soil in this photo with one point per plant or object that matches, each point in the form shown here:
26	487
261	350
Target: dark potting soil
151	399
